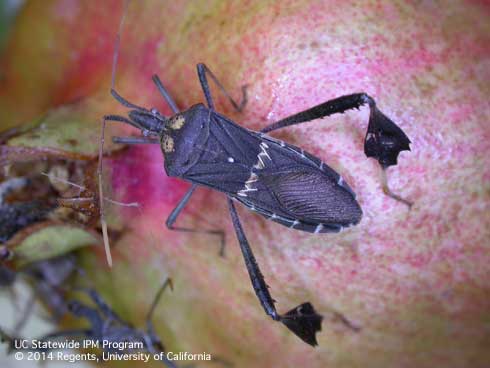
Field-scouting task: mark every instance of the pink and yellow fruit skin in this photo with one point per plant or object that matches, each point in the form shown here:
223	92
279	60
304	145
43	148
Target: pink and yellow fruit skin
416	282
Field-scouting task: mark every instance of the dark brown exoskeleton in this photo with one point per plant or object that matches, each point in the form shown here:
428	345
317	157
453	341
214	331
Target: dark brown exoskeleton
275	179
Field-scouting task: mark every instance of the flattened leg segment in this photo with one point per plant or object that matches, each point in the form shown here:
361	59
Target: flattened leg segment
384	139
302	320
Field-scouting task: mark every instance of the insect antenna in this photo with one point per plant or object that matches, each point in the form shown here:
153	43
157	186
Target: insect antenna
126	103
117	43
103	222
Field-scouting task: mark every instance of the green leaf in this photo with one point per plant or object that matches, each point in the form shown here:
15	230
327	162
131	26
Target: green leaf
51	241
69	129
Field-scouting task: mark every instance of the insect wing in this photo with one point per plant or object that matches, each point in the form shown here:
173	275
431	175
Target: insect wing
312	196
226	157
296	189
277	180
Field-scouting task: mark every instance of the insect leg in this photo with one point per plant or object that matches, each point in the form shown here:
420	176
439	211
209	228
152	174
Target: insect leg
158	295
302	320
90	314
384	139
132	140
154	341
136	140
122	119
330	107
176	212
104	308
202	70
163	91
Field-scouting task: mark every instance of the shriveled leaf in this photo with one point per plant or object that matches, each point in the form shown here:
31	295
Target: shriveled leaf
47	240
71	130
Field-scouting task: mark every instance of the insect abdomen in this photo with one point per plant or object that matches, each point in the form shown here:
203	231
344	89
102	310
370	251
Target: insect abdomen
297	190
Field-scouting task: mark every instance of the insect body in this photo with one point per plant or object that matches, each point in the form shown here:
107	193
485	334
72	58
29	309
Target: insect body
108	331
277	180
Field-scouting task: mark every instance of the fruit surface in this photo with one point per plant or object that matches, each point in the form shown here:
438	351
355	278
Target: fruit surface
414	282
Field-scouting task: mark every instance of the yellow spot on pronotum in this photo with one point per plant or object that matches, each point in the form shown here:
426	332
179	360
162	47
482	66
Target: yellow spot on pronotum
177	122
167	143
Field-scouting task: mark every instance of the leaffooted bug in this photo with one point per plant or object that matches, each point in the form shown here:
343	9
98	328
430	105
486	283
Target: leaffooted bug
277	180
107	330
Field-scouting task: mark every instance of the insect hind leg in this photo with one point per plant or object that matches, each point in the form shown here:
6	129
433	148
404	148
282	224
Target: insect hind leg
384	140
172	218
202	70
302	320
